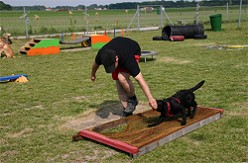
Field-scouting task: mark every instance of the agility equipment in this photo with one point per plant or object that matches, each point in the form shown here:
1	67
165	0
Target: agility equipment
94	41
131	134
41	47
146	53
80	40
179	33
188	31
21	79
177	38
12	77
98	41
226	47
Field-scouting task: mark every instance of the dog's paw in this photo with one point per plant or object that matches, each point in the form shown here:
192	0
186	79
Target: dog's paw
76	137
183	123
152	125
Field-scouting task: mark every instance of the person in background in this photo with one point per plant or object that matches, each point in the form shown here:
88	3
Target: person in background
120	57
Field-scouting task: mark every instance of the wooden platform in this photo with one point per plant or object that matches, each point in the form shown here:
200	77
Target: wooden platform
132	135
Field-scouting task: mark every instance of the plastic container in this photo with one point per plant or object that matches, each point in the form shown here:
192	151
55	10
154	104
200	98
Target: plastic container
216	21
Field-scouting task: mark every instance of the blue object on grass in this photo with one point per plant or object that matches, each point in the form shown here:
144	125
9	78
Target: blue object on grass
12	77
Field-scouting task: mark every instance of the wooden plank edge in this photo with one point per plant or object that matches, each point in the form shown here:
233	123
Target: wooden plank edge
217	109
175	135
107	141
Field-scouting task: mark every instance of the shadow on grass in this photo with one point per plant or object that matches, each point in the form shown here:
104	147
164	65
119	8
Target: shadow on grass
105	109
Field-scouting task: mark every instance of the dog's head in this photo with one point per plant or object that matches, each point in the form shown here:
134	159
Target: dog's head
162	106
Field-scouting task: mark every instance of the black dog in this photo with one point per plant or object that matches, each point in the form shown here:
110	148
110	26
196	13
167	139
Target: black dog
183	102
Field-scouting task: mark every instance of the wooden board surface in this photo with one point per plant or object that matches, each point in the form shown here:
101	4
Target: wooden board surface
133	131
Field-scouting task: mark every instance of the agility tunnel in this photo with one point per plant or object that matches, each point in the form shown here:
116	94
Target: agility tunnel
188	31
131	134
179	33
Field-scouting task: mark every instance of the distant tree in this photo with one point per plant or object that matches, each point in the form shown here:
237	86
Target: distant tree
29	7
92	6
4	6
82	7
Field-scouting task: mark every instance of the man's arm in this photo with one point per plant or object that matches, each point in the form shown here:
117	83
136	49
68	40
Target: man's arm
94	68
152	101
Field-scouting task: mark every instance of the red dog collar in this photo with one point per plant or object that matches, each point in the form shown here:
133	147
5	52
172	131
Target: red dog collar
168	113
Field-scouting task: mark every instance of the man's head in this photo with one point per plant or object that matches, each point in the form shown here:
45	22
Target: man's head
108	59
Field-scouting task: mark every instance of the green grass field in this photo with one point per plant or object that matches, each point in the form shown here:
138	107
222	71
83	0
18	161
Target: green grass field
59	90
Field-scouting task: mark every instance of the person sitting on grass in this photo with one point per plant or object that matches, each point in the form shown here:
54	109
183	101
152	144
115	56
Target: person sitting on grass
120	57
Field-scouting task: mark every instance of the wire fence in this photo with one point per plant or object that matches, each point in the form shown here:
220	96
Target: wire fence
48	22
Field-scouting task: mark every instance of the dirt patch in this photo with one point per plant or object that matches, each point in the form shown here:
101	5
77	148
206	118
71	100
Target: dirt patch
174	60
100	116
22	133
243	113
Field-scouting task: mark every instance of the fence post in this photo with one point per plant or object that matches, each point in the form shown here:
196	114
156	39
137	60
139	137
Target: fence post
227	11
240	8
138	9
161	16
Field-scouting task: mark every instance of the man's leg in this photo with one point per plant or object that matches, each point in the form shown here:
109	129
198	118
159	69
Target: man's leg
122	94
126	83
126	92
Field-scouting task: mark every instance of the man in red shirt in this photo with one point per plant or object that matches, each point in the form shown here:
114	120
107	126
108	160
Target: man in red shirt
120	57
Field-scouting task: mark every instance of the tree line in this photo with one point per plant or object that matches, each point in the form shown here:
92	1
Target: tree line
131	5
177	4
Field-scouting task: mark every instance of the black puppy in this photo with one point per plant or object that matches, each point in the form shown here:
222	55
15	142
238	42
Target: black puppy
183	102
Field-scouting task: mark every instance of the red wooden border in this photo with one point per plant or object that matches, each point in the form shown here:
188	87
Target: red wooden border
111	142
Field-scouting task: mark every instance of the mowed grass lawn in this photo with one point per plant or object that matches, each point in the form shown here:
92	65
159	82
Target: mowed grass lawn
59	90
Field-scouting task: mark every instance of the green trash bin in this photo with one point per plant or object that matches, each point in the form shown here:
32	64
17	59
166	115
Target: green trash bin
158	11
216	21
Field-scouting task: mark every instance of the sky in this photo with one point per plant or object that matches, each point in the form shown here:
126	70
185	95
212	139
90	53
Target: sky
54	3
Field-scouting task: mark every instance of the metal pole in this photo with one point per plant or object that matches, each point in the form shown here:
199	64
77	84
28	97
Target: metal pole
161	16
138	17
240	7
227	11
87	21
132	20
197	13
26	21
168	18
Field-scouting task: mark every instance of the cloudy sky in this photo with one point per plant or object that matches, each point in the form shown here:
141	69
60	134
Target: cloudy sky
54	3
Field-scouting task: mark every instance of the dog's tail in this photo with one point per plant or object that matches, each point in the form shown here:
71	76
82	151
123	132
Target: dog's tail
197	86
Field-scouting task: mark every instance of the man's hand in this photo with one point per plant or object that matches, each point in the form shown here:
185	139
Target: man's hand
93	71
153	103
93	77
